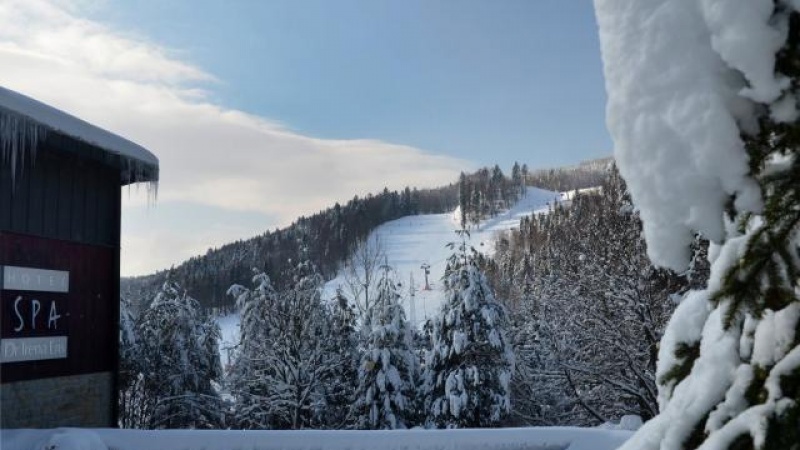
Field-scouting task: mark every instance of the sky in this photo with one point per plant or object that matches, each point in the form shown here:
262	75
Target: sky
262	111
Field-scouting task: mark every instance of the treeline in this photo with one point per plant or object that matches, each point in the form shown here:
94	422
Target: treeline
584	175
326	238
588	309
488	192
307	363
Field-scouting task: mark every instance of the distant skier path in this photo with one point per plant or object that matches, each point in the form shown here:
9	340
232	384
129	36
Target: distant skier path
412	241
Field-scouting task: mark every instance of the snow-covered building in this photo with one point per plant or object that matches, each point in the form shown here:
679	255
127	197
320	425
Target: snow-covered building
60	202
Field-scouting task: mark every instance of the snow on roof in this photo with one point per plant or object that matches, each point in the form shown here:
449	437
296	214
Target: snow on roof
52	119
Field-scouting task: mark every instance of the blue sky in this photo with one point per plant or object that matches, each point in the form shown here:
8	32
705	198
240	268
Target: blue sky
491	82
262	111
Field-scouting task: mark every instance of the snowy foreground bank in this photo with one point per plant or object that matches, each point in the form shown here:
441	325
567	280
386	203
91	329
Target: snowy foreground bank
550	438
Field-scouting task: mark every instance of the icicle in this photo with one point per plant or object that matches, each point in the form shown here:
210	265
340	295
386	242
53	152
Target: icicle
19	136
134	171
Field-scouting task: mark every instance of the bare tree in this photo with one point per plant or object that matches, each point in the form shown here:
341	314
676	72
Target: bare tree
362	272
592	310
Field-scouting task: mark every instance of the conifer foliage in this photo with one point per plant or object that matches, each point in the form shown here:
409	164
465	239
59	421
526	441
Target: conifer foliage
340	387
386	389
132	406
245	379
589	310
468	370
288	361
488	192
179	360
729	362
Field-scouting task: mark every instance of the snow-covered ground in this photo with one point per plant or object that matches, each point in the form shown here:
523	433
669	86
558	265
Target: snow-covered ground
229	326
412	241
554	438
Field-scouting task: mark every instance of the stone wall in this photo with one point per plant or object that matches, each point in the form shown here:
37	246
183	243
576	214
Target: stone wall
72	401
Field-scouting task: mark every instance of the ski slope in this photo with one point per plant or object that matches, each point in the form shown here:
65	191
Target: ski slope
412	241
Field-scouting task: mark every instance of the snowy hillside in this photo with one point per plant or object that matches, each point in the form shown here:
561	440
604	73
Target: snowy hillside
412	241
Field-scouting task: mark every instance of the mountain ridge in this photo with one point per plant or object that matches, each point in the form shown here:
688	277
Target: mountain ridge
329	236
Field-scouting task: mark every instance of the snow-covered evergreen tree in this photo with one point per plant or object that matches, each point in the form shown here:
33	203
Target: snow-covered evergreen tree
288	362
724	108
180	360
468	370
132	406
340	387
386	386
463	200
302	358
249	388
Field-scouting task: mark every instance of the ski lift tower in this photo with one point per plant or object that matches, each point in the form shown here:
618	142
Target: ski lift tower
427	268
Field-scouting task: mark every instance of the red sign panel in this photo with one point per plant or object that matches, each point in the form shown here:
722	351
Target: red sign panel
58	307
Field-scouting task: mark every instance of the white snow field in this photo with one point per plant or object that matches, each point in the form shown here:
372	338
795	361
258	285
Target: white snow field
412	241
554	438
229	327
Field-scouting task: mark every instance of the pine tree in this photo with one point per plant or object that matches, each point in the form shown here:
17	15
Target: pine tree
249	388
385	395
729	363
341	387
468	370
288	361
132	406
524	172
180	360
476	206
516	180
302	356
463	199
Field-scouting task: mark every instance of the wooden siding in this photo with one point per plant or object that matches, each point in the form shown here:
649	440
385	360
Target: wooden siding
60	196
63	213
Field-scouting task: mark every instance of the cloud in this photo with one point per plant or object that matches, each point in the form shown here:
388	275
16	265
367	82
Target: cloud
211	156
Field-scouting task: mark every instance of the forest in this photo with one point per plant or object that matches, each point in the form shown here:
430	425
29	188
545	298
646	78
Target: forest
558	327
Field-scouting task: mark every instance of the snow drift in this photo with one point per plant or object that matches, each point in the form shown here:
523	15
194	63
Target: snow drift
506	439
